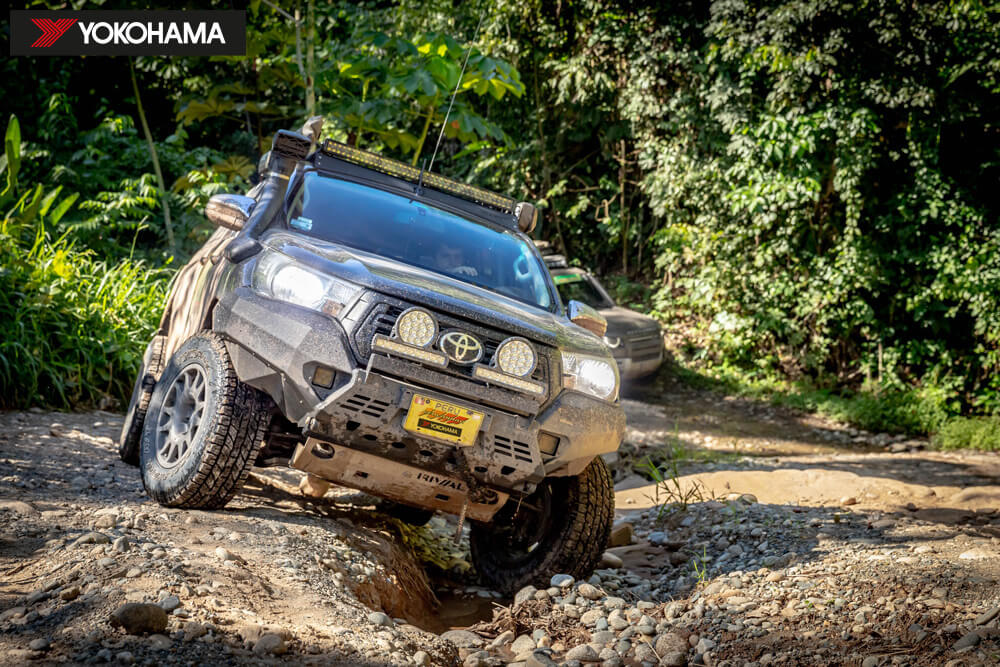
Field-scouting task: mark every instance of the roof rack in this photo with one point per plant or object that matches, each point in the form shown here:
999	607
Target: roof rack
412	174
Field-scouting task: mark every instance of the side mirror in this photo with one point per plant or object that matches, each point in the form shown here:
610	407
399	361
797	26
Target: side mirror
584	316
312	128
229	211
527	216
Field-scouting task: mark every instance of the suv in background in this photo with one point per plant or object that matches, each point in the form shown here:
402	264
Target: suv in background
635	340
394	331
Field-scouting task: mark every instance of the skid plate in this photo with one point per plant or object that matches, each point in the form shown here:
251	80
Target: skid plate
391	479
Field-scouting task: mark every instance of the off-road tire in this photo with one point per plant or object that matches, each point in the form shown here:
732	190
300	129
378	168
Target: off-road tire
152	367
581	511
227	439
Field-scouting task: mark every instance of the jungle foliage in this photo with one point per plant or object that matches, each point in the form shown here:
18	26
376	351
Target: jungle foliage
804	187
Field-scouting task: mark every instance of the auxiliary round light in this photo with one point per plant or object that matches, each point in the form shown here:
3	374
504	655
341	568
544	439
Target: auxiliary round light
416	327
515	356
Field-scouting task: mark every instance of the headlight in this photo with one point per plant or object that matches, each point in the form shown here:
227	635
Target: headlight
280	277
515	356
612	341
596	376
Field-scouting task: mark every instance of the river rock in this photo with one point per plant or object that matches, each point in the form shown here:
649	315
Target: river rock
967	640
522	644
525	594
169	603
610	560
622	535
379	618
583	653
40	644
463	638
139	617
69	593
92	537
270	644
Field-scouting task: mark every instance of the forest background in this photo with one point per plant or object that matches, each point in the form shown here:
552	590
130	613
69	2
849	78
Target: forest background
803	192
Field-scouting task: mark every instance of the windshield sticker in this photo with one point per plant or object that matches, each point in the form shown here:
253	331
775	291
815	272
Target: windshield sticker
567	278
305	224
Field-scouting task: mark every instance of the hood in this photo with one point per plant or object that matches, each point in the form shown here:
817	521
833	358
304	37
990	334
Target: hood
437	292
623	322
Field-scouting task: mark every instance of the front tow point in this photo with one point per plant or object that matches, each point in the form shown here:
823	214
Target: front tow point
313	486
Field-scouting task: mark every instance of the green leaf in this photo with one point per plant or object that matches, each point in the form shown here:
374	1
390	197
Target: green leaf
49	199
12	149
445	72
29	210
197	110
62	207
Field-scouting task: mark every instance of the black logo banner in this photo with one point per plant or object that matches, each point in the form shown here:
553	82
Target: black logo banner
128	33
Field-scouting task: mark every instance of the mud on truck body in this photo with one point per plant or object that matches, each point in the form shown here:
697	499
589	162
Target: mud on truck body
393	331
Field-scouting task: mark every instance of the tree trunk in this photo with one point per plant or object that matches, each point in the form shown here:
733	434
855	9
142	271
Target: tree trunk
310	59
156	159
624	211
423	134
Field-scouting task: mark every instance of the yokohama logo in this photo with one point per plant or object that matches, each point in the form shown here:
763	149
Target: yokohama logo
128	32
51	31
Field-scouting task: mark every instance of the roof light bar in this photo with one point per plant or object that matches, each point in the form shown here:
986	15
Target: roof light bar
412	174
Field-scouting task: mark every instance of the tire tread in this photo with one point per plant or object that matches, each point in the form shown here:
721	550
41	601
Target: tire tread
230	448
131	437
579	544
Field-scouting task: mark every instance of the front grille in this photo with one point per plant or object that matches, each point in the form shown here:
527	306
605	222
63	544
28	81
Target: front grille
648	346
382	318
512	449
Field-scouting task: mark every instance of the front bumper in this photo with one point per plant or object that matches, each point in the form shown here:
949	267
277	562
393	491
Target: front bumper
277	348
639	355
630	369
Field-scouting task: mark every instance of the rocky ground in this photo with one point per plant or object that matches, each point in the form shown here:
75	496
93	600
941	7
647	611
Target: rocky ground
782	540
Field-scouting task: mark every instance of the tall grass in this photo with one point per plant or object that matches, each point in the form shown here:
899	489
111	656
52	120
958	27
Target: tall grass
970	433
72	327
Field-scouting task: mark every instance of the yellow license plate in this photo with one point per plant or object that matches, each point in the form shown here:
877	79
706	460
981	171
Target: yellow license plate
438	419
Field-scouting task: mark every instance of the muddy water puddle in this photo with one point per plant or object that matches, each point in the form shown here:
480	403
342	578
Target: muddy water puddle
458	611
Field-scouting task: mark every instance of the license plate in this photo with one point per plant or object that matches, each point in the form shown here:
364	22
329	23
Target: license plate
444	421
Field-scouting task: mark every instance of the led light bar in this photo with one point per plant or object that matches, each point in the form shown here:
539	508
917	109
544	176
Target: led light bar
490	375
410	173
385	344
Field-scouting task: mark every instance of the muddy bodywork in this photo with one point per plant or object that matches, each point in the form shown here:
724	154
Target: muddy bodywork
340	407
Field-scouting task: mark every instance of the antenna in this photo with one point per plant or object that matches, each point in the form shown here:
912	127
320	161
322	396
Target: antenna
420	180
455	92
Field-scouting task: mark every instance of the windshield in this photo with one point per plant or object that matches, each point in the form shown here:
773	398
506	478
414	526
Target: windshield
579	287
403	229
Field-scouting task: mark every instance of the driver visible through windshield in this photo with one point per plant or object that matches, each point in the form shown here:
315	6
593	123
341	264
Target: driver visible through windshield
391	225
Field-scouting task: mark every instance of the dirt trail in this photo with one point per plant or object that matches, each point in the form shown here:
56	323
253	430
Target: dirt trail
846	553
79	538
783	457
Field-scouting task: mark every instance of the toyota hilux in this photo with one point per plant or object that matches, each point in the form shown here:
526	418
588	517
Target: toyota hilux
390	330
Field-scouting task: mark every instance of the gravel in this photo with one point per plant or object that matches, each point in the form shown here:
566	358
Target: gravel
819	576
728	581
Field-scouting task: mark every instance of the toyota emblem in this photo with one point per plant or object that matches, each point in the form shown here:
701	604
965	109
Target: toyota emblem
460	347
